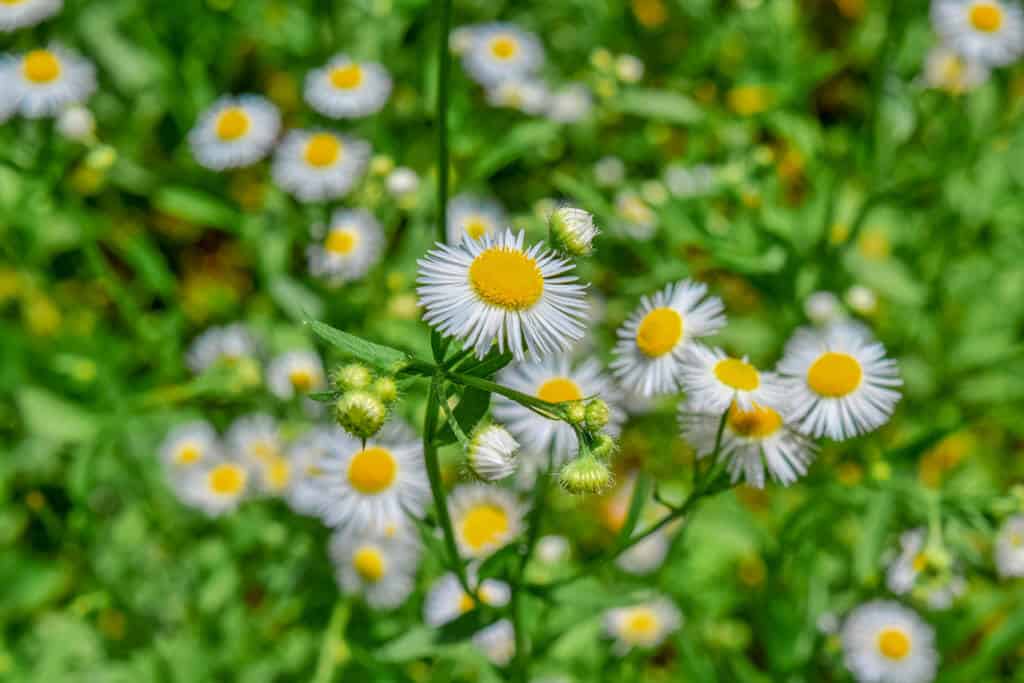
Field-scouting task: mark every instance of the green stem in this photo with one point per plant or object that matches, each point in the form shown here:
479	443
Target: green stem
549	410
444	8
540	488
333	644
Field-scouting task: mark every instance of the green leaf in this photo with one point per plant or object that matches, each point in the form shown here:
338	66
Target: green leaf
641	493
472	406
418	642
49	415
661	105
295	299
493	362
197	206
383	357
867	557
499	564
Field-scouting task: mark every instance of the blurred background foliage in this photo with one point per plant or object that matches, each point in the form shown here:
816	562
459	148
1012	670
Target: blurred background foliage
834	167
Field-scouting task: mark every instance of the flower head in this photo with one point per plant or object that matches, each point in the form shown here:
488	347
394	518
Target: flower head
345	88
295	372
500	52
46	80
446	601
485	518
714	381
491	454
884	642
1010	548
235	131
348	247
645	625
316	166
990	32
15	14
573	230
474	217
379	565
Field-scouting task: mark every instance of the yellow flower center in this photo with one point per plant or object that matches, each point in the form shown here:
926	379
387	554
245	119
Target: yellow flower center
302	379
232	123
264	450
920	562
342	241
504	47
757	423
1017	540
559	389
894	643
346	77
952	71
465	603
834	374
278	473
506	278
476	227
483	525
322	149
737	374
369	563
986	16
11	2
372	470
659	331
641	623
189	453
227	479
41	66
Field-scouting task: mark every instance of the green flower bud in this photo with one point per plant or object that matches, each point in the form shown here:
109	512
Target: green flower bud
353	376
585	474
597	415
605	447
386	389
360	413
573	231
576	412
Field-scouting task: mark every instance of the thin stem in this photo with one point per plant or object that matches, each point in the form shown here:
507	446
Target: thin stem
542	408
540	488
444	8
333	644
437	486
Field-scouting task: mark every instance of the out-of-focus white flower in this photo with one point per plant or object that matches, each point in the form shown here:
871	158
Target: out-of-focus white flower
638	220
77	123
497	642
862	300
378	565
350	245
1010	548
526	95
226	344
609	171
46	80
295	372
402	182
235	132
946	70
315	166
694	181
570	103
990	32
823	308
629	68
645	626
446	601
500	52
15	14
473	216
345	88
885	642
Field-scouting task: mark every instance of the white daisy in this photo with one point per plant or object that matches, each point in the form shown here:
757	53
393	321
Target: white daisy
295	372
226	344
556	379
216	488
316	166
485	518
348	89
1009	550
305	454
609	171
751	440
653	341
473	216
637	219
491	454
349	247
77	123
402	182
885	642
839	381
46	80
689	181
380	566
460	39
500	52
990	32
947	70
904	571
446	601
522	94
493	290
190	445
255	441
570	104
235	131
15	14
497	641
645	626
714	381
374	486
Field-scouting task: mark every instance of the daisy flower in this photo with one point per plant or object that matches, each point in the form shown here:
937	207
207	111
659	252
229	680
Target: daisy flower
526	95
446	601
255	440
885	642
15	14
486	518
46	80
497	641
714	381
493	290
402	182
216	488
645	626
220	345
653	341
235	131
316	166
349	247
491	454
947	70
839	381
348	89
751	440
645	556
474	217
684	182
500	52
373	486
990	32
295	372
380	566
189	445
904	571
556	380
638	220
1010	548
306	493
570	104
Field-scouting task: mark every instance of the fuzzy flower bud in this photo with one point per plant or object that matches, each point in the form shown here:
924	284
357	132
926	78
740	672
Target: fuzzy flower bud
385	389
576	412
491	454
573	230
360	413
605	447
585	474
353	376
597	415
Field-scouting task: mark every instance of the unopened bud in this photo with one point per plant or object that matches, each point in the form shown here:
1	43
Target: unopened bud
605	447
491	454
597	415
353	376
576	412
585	474
386	389
573	230
360	413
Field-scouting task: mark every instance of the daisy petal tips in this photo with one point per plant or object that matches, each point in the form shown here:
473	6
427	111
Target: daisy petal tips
493	290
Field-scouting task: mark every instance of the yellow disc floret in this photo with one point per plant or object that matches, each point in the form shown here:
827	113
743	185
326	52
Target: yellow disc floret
659	331
506	278
372	470
558	390
342	241
232	123
737	374
504	47
986	16
894	643
227	479
641	624
369	563
322	149
757	423
834	374
347	77
41	66
484	525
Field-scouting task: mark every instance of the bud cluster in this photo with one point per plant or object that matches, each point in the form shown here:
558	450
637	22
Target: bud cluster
362	408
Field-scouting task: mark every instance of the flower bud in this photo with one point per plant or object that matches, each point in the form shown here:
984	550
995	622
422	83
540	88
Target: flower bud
353	376
576	412
361	414
491	454
605	447
77	123
573	230
386	389
597	415
585	474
